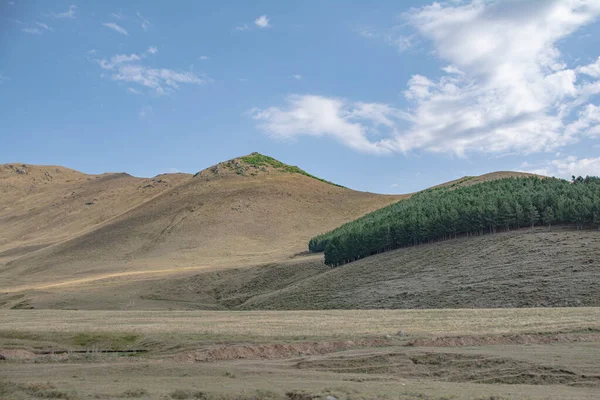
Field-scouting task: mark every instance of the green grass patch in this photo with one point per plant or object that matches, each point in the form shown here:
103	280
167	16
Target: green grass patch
258	160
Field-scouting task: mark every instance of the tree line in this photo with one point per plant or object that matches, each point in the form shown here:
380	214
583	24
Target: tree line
485	208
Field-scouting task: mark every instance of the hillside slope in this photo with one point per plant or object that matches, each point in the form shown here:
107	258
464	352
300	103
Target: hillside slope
245	211
43	205
526	268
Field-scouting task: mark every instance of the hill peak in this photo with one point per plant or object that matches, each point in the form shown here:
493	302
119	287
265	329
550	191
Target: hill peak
255	164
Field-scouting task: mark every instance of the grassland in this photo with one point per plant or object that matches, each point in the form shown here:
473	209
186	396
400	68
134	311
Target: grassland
288	324
310	355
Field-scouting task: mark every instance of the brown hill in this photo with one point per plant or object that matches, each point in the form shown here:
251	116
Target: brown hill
65	231
43	205
245	211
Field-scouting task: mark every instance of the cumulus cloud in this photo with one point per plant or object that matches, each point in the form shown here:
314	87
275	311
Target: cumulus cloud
349	123
69	14
566	167
130	68
115	27
505	87
262	22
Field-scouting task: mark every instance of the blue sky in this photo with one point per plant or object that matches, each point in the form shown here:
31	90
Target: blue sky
389	97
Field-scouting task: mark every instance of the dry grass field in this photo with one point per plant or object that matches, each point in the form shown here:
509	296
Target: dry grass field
543	267
442	354
239	325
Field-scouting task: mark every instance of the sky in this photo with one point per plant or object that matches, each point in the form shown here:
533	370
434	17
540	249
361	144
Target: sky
386	96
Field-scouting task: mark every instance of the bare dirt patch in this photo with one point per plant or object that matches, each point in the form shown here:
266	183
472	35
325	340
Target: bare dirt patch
16	354
275	351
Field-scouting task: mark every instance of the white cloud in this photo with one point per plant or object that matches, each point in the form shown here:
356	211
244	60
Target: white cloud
3	78
451	69
204	58
592	70
506	88
566	167
116	28
243	27
145	24
321	116
297	77
129	68
33	31
44	26
133	91
262	22
118	15
69	14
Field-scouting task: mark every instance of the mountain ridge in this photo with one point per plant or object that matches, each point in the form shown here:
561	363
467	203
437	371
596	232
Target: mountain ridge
71	228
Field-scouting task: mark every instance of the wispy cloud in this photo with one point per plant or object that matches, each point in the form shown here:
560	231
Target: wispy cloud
297	77
390	37
129	68
243	27
133	91
3	78
116	28
44	26
118	15
38	29
262	22
32	31
367	33
69	14
400	42
145	23
506	88
204	58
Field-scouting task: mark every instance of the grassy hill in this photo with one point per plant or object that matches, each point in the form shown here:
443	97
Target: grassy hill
233	236
245	211
43	205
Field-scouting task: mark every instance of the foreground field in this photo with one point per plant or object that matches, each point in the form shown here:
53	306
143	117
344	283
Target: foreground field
487	354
